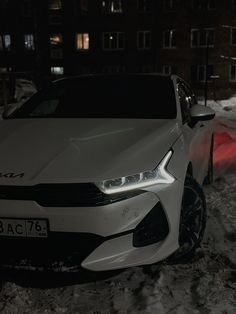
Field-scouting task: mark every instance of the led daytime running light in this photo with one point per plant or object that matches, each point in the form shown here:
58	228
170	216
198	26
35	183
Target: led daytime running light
141	180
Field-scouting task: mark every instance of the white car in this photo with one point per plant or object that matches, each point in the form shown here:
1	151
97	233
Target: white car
104	172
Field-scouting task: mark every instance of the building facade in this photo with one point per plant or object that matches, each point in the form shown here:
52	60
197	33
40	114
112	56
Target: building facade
195	39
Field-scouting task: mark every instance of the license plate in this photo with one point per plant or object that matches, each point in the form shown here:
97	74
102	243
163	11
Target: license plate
31	228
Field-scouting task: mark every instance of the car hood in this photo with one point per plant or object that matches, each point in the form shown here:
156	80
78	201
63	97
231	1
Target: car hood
81	150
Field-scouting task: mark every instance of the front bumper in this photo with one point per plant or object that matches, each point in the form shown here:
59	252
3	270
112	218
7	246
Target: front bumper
100	238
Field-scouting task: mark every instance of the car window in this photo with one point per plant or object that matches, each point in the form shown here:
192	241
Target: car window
132	96
185	103
191	96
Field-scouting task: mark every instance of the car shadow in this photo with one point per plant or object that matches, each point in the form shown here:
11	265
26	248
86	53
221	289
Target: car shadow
49	279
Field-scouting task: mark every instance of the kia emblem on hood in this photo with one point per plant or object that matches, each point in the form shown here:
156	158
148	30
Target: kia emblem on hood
11	175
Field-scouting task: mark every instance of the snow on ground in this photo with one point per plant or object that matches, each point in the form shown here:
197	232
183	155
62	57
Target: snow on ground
205	285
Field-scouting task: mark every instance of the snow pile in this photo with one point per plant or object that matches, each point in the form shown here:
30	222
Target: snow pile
224	108
228	104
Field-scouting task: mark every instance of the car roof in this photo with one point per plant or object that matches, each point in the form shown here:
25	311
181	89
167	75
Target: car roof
112	76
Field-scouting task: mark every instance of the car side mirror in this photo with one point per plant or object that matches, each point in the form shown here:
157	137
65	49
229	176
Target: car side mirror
201	113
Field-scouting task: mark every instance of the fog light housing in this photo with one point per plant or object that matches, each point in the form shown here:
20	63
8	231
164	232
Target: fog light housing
152	229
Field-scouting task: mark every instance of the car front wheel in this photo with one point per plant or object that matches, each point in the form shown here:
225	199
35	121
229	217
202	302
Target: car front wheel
192	219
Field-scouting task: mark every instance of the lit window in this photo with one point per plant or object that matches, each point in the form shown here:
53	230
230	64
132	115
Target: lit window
233	36
55	5
56	40
113	41
169	69
82	41
204	4
57	70
198	73
233	72
169	39
112	6
29	42
56	46
5	42
144	5
143	40
202	38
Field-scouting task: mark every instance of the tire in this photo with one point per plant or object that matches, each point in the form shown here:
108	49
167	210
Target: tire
192	220
209	177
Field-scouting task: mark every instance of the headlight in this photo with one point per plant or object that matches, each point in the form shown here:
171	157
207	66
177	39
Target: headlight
157	176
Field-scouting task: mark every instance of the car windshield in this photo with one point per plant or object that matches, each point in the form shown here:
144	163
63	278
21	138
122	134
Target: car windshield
134	97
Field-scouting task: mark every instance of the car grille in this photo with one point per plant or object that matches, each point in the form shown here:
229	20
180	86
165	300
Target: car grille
59	252
63	195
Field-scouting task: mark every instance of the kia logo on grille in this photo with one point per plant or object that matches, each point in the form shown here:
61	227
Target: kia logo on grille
11	175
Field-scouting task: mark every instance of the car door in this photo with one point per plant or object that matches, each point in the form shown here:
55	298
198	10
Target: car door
194	134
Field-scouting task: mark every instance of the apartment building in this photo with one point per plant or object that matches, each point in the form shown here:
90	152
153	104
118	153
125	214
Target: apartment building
195	39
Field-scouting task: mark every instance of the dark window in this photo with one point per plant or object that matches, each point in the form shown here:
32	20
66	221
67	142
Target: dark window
194	38
113	41
204	4
169	39
84	6
113	69
27	8
233	36
233	72
143	40
55	19
81	7
144	5
169	5
144	68
202	37
5	7
116	96
169	69
3	70
198	73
